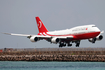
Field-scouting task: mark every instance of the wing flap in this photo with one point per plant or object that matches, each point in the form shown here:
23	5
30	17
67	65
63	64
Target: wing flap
43	37
65	37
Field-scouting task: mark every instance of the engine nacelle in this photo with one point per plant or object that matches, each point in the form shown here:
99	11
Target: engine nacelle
34	39
100	37
55	40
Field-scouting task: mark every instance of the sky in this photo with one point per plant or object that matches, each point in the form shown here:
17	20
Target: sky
18	16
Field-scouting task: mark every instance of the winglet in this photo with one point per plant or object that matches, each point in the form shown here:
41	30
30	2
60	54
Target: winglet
102	32
7	33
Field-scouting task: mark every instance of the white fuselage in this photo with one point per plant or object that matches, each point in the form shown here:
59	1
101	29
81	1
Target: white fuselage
74	31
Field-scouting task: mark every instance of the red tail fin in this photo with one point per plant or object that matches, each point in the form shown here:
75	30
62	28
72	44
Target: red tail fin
40	25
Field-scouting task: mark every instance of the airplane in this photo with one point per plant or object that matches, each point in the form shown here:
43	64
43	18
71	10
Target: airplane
65	37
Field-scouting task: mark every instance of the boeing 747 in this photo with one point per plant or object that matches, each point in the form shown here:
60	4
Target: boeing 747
65	37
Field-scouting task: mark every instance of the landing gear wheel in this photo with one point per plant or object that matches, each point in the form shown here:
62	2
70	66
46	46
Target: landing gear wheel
94	40
61	44
69	44
77	45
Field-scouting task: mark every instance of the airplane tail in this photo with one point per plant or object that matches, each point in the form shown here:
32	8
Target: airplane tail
40	25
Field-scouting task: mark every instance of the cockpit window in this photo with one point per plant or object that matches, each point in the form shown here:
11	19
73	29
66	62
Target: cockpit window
93	26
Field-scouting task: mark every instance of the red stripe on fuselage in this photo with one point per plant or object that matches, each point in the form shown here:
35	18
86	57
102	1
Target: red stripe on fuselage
86	35
78	36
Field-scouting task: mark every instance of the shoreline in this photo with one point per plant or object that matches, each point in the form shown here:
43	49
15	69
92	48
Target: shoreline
71	56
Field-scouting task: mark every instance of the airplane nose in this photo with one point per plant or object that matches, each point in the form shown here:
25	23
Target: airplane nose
97	29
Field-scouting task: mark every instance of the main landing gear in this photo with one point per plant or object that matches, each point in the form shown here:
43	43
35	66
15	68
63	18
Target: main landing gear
77	43
63	44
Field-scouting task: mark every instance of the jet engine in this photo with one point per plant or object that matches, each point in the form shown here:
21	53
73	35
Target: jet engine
34	39
55	40
100	37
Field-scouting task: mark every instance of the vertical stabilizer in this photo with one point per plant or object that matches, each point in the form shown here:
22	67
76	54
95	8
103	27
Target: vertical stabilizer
40	25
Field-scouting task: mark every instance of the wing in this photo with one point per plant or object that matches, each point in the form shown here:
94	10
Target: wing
17	34
48	38
28	35
61	37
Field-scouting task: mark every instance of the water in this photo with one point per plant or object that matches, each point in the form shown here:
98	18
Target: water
22	65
